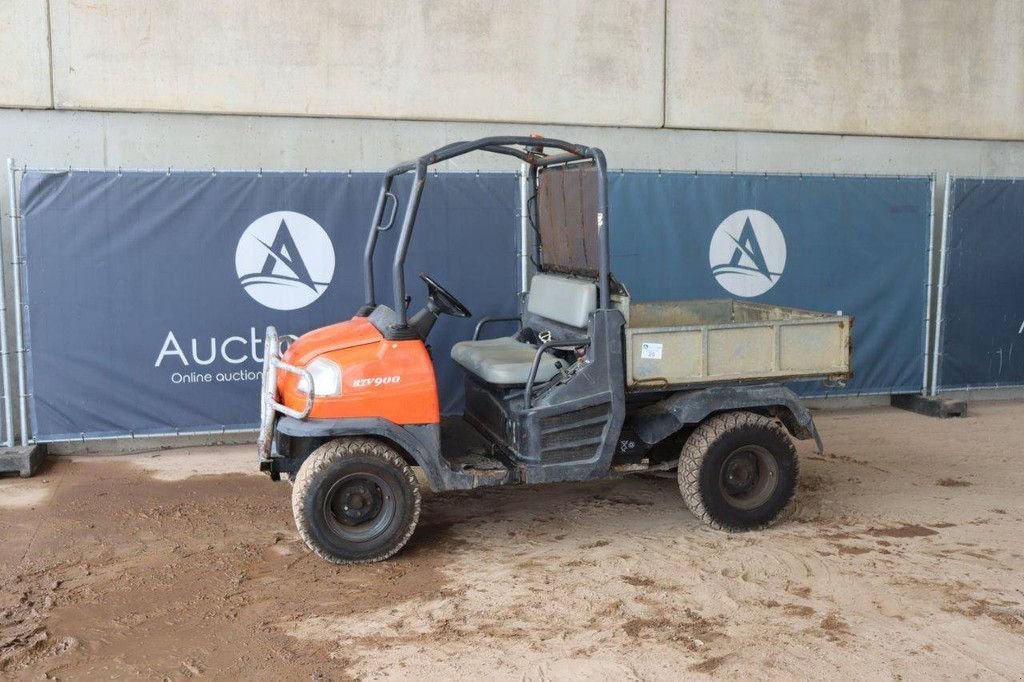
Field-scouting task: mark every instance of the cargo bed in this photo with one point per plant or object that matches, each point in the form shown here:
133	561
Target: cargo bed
675	344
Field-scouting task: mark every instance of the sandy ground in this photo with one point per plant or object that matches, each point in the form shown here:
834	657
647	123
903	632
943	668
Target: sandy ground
902	558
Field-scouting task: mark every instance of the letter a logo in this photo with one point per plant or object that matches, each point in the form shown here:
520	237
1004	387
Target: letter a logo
284	252
747	253
284	260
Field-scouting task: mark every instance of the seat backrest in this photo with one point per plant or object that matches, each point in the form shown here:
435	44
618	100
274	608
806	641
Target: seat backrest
563	299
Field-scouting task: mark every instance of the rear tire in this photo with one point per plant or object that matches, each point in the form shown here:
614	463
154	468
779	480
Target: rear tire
738	471
355	501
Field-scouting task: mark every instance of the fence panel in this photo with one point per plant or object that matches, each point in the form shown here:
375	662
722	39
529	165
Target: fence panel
828	243
147	293
980	339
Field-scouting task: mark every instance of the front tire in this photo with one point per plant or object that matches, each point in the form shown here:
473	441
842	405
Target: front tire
738	471
355	501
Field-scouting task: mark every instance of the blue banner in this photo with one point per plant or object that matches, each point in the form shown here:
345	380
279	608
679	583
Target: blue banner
981	311
147	294
825	243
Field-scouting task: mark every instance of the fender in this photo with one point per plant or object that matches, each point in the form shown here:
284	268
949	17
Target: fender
420	443
660	420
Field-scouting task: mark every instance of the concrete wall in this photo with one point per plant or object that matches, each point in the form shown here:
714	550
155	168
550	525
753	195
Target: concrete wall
56	139
24	54
932	68
594	61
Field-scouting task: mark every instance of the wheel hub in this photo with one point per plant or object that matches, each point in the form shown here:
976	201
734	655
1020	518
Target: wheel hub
741	473
356	501
749	476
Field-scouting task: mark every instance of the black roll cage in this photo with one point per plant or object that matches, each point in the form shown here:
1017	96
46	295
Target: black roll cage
532	153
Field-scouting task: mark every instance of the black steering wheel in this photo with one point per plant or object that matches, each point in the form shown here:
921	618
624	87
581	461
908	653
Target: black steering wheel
442	301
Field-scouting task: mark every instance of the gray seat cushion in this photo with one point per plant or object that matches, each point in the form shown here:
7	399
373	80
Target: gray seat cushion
503	361
563	299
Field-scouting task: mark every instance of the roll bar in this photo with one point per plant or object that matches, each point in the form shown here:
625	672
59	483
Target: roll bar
530	150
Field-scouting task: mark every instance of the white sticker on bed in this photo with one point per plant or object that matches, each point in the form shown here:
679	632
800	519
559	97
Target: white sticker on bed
650	351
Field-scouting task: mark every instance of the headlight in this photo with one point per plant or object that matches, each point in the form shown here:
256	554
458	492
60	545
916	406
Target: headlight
326	378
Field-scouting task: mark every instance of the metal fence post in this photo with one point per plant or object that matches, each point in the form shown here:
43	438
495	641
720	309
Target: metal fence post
929	286
937	336
524	229
16	277
4	351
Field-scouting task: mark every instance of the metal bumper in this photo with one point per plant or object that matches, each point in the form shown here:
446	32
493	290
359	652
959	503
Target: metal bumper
269	407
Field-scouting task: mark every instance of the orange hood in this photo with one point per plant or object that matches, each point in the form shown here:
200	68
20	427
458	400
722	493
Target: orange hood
355	332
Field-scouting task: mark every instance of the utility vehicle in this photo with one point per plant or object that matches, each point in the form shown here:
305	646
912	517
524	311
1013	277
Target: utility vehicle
591	386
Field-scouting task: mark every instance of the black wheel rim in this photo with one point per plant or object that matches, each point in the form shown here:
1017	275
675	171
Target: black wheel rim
359	507
748	477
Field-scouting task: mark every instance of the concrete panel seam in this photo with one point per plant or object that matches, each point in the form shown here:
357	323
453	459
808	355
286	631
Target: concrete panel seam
49	51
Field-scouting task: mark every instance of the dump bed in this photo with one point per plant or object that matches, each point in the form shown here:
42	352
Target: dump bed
673	344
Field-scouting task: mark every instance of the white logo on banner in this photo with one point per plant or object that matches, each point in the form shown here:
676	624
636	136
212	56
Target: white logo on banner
748	253
284	260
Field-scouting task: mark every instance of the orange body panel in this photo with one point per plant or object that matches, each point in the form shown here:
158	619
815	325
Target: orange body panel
393	380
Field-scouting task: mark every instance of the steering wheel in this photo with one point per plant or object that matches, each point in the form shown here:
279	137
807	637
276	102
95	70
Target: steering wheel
443	301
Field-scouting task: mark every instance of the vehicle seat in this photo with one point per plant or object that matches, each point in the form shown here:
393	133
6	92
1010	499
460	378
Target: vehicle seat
507	361
503	361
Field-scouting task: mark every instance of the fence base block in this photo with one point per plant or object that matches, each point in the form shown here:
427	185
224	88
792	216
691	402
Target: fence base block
22	460
929	406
